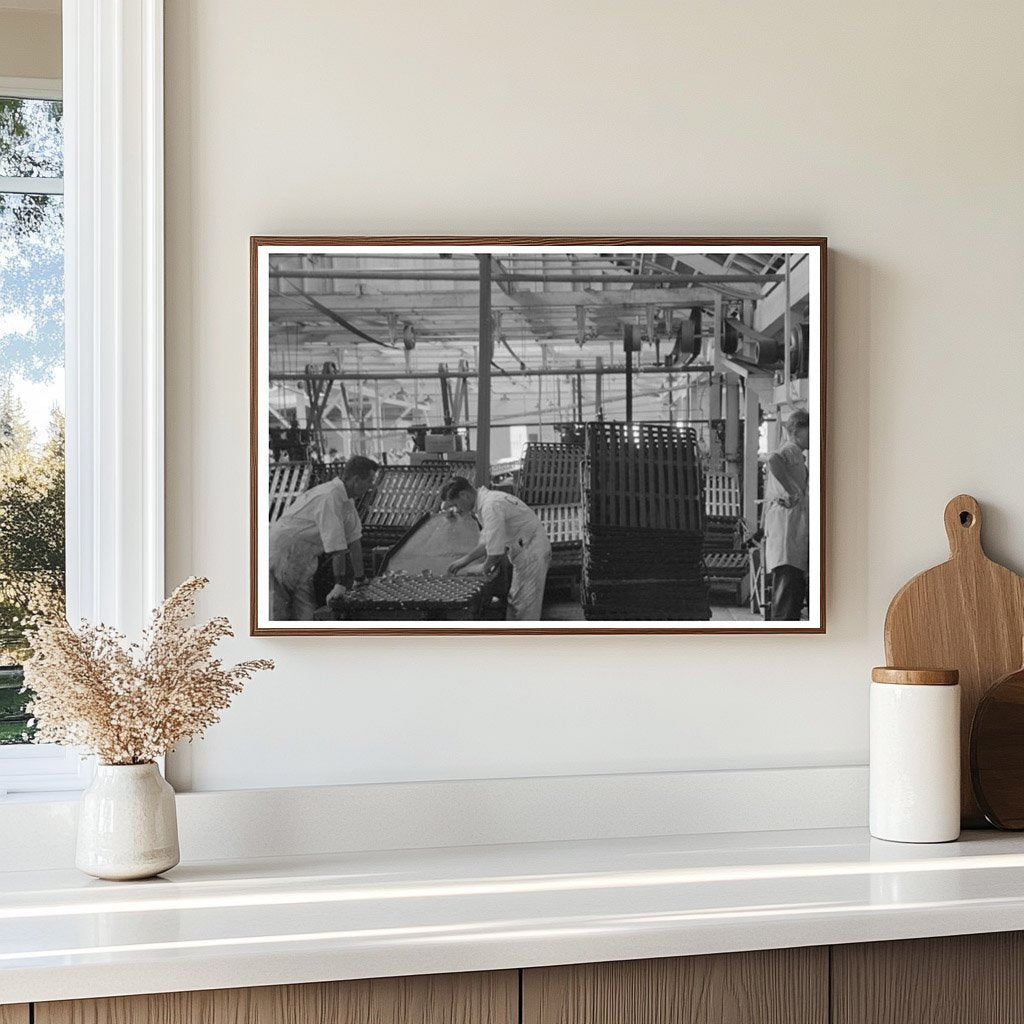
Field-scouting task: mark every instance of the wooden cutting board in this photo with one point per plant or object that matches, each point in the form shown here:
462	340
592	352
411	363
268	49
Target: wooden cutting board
967	614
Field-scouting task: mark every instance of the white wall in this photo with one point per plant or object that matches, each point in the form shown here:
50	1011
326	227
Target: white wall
895	129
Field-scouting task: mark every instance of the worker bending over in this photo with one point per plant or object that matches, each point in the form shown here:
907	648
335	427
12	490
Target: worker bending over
321	520
786	521
507	526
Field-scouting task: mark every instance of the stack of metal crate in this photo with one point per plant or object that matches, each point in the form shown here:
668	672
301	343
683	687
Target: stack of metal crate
644	535
725	555
549	482
399	498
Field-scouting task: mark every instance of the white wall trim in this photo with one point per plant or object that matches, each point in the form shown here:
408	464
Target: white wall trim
31	88
32	186
113	87
246	824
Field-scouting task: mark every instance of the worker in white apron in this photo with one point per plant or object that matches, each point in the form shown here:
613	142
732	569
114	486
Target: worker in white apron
507	526
787	521
320	520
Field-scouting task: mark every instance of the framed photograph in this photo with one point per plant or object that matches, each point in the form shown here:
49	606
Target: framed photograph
537	435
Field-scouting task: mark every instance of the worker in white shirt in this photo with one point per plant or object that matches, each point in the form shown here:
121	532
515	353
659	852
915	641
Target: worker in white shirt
507	526
787	521
321	520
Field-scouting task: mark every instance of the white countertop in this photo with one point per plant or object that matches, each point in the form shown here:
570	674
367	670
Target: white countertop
226	924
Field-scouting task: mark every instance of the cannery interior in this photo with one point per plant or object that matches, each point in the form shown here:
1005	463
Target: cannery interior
631	400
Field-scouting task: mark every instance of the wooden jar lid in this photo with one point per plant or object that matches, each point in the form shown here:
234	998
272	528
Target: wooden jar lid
916	676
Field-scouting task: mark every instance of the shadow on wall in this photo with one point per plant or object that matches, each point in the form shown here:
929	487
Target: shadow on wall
852	288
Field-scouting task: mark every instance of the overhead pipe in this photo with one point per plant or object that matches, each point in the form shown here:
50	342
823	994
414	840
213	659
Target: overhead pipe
555	278
629	384
787	327
715	453
483	397
732	417
338	318
606	371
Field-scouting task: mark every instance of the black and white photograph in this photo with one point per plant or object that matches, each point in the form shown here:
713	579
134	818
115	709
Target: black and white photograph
539	435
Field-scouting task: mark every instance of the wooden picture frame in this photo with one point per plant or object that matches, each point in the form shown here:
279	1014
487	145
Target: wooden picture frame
370	346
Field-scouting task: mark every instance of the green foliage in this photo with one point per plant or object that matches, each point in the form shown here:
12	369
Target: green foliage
30	138
31	145
31	523
14	719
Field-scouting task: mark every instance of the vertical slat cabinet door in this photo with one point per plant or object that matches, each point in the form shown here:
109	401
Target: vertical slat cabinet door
481	998
14	1014
960	979
779	986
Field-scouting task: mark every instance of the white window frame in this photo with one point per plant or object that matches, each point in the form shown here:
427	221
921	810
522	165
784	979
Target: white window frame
114	347
31	88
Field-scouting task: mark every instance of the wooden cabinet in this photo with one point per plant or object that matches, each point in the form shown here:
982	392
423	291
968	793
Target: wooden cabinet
967	979
491	998
777	986
962	979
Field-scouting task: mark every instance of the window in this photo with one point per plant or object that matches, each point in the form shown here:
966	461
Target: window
32	531
113	332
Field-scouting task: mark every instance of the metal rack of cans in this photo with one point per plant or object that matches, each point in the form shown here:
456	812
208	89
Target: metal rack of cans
413	582
401	595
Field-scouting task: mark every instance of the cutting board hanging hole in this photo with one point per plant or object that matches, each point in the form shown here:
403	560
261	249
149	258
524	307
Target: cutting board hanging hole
963	526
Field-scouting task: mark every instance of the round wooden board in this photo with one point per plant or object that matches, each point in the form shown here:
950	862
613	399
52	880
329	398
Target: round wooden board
997	752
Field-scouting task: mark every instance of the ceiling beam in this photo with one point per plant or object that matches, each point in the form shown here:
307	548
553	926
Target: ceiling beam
705	268
770	312
500	275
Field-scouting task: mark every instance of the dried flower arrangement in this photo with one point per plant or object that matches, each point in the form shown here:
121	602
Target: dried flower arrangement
130	703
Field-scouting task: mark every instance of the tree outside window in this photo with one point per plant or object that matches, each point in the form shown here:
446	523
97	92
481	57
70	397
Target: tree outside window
31	385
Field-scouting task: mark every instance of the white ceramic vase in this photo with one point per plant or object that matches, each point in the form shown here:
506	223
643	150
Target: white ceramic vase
127	825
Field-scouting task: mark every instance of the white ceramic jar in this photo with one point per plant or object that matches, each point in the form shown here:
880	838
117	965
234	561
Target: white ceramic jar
915	755
127	823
